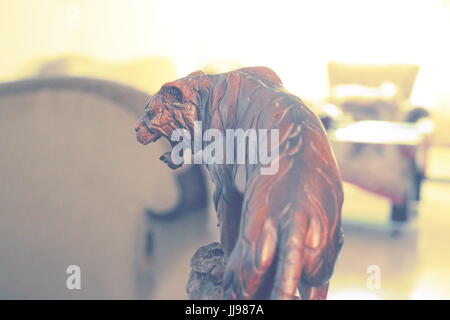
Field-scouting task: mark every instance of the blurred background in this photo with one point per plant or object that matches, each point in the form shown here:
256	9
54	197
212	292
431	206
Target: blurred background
77	189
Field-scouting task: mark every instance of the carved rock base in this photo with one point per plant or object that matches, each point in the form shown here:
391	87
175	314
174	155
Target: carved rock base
205	279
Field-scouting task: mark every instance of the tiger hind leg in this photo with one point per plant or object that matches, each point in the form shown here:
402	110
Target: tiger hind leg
308	292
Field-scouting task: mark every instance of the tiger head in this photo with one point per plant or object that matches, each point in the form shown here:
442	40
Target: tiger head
174	106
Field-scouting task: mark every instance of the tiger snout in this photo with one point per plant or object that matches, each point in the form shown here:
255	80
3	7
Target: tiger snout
144	134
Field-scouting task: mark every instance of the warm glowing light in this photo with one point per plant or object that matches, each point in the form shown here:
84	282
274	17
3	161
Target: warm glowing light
296	38
380	132
353	295
422	294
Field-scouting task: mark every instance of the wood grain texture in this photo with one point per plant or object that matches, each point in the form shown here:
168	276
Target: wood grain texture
279	232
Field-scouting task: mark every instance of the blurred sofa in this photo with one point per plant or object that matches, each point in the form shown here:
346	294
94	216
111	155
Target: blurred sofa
380	140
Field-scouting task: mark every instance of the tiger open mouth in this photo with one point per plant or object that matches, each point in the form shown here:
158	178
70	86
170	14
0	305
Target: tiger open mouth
146	135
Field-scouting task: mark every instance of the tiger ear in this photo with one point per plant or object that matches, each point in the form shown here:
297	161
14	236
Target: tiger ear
172	94
196	74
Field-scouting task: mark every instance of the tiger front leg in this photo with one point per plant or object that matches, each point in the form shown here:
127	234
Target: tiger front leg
229	215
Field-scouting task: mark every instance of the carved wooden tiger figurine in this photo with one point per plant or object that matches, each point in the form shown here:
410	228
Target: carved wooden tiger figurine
279	232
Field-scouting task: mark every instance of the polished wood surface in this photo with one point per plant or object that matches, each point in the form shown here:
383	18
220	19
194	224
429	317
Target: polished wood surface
282	232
